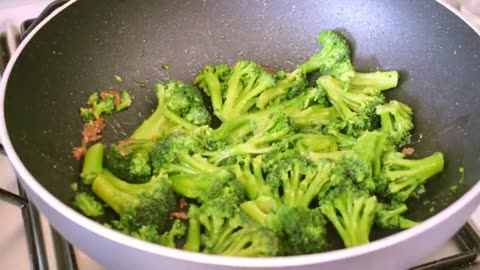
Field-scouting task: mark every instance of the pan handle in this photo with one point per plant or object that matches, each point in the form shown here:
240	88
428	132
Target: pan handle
28	25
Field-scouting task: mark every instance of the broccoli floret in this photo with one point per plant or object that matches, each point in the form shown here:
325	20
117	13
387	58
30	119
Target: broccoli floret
265	132
180	106
306	143
227	231
246	82
137	205
407	176
179	153
130	160
207	186
93	163
87	115
308	109
290	86
388	216
333	59
125	101
177	231
363	164
300	230
213	81
351	211
396	121
381	80
357	109
296	181
101	104
88	205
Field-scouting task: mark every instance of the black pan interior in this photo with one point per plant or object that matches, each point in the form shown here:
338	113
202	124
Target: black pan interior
81	49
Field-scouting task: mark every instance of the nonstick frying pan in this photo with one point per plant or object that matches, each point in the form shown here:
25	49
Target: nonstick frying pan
81	46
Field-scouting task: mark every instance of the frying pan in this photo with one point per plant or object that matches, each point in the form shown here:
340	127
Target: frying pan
81	46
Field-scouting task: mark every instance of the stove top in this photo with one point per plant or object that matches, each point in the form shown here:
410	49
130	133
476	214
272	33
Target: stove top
52	252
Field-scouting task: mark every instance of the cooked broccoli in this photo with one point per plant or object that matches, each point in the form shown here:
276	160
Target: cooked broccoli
220	227
213	81
246	82
207	186
363	163
293	84
169	238
130	160
351	211
396	121
87	115
381	80
388	216
265	131
137	205
357	109
300	230
125	101
104	104
179	152
93	163
333	59
407	176
88	204
180	106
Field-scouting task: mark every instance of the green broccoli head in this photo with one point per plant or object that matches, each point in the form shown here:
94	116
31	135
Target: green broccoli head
351	211
363	164
296	181
146	204
125	101
396	121
130	160
333	59
89	206
406	177
300	230
179	153
213	81
177	231
180	107
186	101
357	109
389	216
227	231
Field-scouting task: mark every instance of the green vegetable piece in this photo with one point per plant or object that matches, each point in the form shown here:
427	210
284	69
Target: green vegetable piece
88	205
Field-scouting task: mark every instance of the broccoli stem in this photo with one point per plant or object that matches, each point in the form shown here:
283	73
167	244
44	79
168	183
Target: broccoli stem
327	155
381	80
336	96
214	88
315	115
254	212
253	183
106	186
420	169
246	101
93	163
193	236
280	89
240	246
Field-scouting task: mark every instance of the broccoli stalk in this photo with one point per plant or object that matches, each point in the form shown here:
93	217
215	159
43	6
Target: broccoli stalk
194	231
389	216
147	204
357	109
396	121
212	80
352	213
180	106
381	80
93	163
406	176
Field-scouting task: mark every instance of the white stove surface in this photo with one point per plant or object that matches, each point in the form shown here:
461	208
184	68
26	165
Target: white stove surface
13	248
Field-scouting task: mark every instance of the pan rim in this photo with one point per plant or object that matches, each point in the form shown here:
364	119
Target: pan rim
120	238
